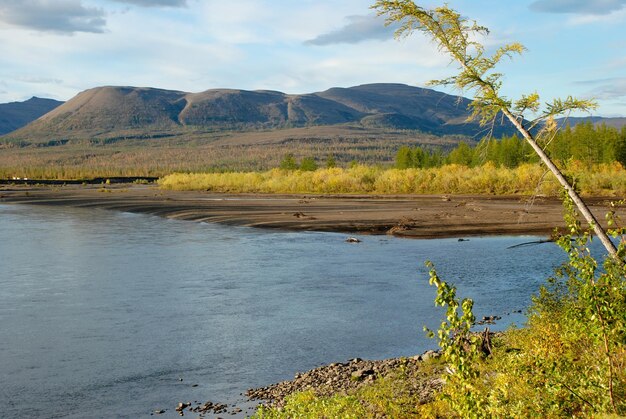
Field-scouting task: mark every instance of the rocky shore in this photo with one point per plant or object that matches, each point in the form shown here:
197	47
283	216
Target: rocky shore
422	379
342	378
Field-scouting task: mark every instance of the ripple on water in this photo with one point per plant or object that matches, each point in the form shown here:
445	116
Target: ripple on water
106	311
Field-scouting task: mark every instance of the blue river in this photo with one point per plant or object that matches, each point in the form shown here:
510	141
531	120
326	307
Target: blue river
110	314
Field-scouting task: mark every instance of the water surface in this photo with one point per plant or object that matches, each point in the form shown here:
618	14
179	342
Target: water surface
102	312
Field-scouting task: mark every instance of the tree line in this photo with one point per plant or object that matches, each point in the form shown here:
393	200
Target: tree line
584	143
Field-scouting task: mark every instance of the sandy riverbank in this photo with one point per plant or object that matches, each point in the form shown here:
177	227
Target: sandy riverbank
426	216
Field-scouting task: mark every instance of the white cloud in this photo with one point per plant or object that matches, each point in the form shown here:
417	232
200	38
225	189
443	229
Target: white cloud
38	79
155	3
583	7
610	18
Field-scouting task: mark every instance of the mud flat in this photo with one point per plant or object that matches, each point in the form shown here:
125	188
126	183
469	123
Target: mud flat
422	216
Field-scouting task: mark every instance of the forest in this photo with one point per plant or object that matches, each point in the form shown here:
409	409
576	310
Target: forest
584	143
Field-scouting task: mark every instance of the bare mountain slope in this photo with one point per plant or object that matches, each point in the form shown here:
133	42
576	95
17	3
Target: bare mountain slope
122	112
110	109
15	115
261	108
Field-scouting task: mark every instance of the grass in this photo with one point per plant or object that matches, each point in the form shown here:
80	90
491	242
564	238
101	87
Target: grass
515	386
400	394
599	180
568	361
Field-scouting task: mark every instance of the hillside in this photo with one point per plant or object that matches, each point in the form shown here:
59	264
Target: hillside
595	120
131	112
15	115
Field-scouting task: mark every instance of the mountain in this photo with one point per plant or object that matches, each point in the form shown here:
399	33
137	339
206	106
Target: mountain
15	115
127	112
595	120
398	104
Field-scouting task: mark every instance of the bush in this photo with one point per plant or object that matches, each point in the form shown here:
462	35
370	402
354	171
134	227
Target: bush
569	360
605	179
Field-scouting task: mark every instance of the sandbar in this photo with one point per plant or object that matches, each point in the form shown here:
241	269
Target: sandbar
414	216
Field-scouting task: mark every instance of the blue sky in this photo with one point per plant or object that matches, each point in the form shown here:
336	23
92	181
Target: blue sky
57	48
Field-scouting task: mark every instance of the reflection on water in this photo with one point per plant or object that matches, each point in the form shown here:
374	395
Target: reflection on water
102	312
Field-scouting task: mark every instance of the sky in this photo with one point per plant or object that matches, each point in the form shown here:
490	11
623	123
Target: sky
58	48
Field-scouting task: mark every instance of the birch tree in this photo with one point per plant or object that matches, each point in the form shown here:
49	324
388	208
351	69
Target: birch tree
459	37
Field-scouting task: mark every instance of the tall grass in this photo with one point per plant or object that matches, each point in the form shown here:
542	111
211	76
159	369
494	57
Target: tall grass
600	180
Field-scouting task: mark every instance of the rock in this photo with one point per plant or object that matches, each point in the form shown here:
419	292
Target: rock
489	320
430	355
182	406
361	374
341	378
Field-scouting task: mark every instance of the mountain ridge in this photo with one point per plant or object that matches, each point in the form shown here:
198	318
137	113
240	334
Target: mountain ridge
14	115
111	111
108	112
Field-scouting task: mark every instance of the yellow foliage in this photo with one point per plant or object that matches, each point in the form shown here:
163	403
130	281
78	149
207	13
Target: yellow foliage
526	179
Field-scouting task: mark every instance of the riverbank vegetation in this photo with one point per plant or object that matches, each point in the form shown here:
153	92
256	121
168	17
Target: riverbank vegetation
592	156
568	361
570	358
597	180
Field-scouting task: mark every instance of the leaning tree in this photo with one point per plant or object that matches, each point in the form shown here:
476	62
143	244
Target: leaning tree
458	37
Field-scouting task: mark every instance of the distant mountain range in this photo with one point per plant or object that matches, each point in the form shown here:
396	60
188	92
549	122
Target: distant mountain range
15	115
126	112
596	120
138	112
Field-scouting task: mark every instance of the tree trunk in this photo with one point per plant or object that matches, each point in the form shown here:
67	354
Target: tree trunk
582	207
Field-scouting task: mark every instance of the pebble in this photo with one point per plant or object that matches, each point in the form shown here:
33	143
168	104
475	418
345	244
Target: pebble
339	377
429	355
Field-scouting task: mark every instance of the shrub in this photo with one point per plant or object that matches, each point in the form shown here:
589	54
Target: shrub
569	360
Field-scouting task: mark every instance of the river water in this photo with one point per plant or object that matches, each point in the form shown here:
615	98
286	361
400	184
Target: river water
102	313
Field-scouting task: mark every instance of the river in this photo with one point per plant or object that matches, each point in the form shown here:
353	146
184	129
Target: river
102	313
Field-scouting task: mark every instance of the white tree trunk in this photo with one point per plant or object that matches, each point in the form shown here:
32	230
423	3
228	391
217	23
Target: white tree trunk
582	207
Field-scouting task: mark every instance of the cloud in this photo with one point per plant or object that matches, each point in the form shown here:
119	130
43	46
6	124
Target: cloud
38	80
155	3
61	16
584	7
606	89
359	28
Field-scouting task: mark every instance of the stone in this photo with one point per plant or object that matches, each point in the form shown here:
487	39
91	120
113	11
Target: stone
360	374
430	355
182	406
